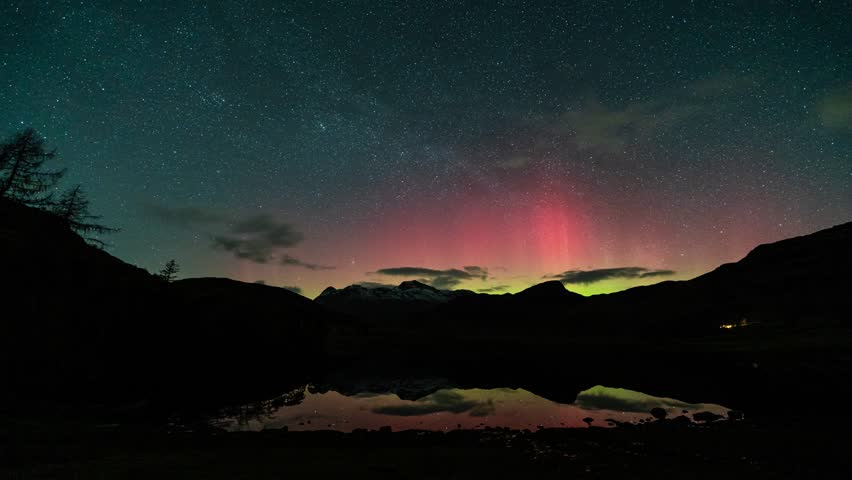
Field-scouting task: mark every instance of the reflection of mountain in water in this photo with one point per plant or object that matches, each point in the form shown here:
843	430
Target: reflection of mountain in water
451	401
83	327
453	408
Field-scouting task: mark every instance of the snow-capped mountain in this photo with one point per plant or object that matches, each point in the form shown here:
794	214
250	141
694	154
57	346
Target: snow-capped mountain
408	297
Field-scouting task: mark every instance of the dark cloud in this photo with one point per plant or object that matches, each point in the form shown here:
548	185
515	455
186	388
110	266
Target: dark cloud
596	126
265	229
494	289
242	249
440	401
185	217
657	273
443	282
414	271
477	272
288	260
258	239
601	274
441	279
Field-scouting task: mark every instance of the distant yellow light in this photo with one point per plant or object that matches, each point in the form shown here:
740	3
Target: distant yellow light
727	326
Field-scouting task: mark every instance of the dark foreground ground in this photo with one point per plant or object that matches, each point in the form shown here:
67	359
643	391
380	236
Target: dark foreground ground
790	449
791	388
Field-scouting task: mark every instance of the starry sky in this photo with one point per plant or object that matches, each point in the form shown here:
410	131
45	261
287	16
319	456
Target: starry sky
480	145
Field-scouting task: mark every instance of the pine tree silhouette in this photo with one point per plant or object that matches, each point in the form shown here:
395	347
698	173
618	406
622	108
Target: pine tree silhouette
23	177
169	272
73	208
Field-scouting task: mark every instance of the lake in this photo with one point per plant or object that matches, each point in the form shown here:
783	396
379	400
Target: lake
452	408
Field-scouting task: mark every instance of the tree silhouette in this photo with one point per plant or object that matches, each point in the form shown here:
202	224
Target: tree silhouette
23	177
169	272
73	208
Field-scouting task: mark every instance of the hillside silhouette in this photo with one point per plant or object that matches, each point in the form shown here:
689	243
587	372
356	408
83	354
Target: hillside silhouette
83	327
745	334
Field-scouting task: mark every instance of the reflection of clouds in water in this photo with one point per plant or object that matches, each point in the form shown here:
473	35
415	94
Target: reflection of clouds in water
367	395
452	401
483	409
606	398
448	408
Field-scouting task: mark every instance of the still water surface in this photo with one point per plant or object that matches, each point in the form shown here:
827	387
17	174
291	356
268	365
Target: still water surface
453	408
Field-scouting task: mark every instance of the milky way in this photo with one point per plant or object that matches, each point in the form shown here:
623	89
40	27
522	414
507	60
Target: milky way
308	144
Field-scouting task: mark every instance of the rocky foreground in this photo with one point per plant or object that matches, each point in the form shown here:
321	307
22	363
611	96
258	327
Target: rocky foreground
662	449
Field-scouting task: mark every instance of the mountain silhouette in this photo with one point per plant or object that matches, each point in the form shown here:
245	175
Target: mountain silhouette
784	283
387	302
552	291
83	327
787	302
795	282
80	325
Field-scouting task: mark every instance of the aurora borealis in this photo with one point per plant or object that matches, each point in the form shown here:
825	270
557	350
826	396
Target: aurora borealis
480	145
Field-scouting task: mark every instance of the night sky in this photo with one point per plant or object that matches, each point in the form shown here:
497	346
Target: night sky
481	145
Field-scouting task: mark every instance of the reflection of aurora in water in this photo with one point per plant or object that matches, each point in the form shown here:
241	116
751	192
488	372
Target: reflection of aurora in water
448	409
